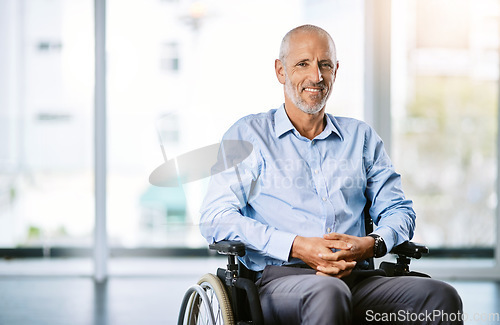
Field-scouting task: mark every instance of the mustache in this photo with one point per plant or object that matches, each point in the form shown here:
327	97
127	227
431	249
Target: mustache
320	85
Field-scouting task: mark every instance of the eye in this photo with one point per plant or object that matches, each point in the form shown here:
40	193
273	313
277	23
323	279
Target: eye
327	66
302	64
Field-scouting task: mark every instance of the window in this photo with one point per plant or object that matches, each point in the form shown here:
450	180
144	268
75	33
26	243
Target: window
444	112
46	100
184	72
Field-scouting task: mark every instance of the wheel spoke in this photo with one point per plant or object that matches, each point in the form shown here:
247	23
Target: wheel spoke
206	307
214	303
218	318
211	295
198	309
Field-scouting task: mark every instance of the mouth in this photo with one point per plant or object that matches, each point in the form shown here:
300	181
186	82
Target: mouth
313	90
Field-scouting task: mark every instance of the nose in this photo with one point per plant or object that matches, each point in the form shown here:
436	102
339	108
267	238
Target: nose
316	74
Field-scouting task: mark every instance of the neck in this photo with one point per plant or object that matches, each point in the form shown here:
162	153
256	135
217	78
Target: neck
308	125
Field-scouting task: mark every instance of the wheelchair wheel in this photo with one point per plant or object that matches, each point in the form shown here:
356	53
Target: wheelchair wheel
199	306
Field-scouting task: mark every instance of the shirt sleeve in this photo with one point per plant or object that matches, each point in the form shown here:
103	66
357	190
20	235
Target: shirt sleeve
228	195
391	212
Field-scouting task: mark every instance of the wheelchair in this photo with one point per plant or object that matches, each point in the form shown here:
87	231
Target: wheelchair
231	296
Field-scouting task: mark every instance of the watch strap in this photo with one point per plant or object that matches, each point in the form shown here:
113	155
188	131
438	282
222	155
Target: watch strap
379	248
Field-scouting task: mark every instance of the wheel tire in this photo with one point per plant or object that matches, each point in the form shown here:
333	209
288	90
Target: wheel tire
219	302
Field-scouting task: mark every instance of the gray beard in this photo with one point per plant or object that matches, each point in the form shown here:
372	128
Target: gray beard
300	103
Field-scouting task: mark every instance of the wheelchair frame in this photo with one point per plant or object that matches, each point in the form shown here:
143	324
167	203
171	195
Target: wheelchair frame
239	289
237	298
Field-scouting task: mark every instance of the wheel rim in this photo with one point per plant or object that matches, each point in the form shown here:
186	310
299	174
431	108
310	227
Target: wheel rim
214	302
209	298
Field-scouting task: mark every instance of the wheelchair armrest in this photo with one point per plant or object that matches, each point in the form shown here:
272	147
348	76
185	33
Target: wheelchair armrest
229	247
410	249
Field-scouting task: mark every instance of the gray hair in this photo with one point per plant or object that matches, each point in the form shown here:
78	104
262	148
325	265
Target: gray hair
285	43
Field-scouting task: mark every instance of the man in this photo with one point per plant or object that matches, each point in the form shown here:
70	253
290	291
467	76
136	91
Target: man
299	200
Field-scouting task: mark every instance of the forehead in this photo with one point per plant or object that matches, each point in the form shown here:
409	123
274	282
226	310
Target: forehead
309	45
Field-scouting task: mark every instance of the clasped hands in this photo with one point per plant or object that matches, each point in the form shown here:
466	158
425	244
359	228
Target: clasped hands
317	252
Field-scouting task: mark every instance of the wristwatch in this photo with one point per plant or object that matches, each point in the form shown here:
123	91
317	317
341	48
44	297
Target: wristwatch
379	248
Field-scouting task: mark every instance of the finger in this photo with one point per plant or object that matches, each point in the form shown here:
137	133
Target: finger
337	267
351	265
344	274
330	256
342	255
338	244
346	255
335	236
332	270
322	274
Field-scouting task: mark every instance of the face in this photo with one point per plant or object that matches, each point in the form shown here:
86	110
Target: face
308	72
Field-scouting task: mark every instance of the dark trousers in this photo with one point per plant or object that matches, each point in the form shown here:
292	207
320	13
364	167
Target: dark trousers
313	299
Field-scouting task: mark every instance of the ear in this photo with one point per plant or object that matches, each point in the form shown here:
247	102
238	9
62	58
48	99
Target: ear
280	71
335	73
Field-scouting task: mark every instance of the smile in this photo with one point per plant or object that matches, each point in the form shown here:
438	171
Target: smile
313	90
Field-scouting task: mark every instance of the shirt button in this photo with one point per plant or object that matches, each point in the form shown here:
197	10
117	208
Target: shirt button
316	171
312	142
324	198
329	230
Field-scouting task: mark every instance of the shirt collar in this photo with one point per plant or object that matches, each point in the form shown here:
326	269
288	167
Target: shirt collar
283	125
331	127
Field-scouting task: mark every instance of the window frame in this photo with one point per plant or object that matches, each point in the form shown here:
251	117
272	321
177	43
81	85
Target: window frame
377	97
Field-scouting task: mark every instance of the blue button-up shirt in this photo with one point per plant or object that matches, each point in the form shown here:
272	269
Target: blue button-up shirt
290	185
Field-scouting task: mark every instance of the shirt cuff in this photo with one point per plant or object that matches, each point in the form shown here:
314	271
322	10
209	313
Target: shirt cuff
388	235
280	245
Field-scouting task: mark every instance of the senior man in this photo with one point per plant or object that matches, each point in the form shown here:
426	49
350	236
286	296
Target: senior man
299	200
